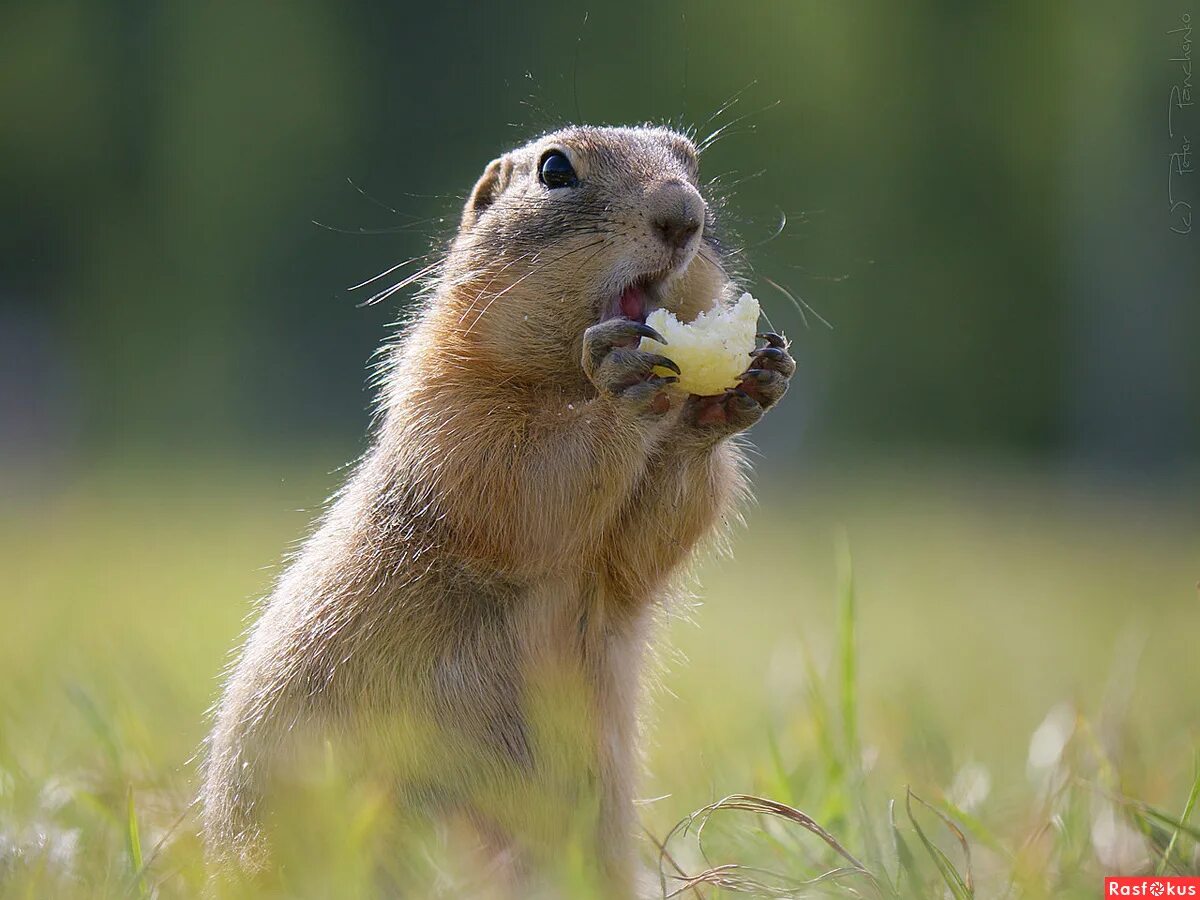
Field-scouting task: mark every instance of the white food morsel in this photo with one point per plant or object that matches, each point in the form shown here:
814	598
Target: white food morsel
712	350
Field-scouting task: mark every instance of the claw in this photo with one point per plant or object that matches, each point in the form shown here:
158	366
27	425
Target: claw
772	352
760	375
647	332
658	360
775	340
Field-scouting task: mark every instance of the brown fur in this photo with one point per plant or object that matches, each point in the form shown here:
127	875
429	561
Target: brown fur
472	615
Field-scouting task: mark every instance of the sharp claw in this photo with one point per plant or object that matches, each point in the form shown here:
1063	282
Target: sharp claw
657	360
647	332
774	353
664	379
759	375
775	340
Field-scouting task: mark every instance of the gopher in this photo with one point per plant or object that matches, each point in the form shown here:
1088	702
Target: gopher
471	618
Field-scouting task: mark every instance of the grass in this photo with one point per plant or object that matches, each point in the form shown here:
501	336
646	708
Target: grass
997	698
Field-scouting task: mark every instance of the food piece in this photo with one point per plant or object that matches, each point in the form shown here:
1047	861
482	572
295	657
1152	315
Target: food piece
712	350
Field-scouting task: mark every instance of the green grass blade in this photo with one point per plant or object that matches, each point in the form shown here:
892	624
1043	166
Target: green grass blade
781	786
1166	819
980	832
100	724
1164	861
847	653
906	862
855	784
1139	807
133	844
822	719
959	887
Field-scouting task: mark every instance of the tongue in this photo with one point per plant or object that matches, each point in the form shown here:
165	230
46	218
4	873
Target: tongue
633	302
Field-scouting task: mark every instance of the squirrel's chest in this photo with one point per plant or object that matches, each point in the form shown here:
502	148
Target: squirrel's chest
577	622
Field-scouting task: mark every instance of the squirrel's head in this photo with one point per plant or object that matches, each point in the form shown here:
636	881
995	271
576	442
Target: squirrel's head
577	226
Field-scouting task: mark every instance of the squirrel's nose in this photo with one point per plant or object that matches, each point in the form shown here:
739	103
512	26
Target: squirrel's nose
676	213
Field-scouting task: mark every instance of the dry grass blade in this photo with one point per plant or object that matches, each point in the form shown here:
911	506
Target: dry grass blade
663	853
735	877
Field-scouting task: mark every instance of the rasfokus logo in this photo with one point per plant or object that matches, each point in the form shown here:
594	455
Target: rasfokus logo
1147	886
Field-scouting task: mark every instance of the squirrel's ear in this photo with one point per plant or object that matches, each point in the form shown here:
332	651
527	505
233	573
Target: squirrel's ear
491	184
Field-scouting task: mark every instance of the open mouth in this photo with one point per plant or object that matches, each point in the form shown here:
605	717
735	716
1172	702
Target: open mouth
637	299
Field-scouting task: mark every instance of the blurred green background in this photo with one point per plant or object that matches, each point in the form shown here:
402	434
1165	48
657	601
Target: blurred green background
1004	417
975	199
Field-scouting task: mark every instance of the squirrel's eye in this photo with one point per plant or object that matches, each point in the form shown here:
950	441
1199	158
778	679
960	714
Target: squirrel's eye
556	170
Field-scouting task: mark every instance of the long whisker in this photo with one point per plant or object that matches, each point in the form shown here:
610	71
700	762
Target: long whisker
474	305
737	181
387	272
483	290
732	101
575	67
500	294
783	219
778	232
712	138
702	255
797	303
388	229
379	203
400	285
523	277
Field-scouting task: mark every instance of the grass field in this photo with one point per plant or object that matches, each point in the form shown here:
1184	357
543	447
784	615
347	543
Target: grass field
1023	652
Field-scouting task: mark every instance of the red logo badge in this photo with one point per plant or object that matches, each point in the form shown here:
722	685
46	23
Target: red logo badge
1152	886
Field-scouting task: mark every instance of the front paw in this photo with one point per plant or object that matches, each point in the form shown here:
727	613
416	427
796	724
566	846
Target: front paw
618	369
760	387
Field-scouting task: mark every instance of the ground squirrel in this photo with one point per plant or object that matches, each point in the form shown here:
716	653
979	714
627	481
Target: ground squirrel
469	619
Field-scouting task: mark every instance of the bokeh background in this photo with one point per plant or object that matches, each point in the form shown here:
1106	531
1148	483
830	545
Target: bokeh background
1003	418
975	199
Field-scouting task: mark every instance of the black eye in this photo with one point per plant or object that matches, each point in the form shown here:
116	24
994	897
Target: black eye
556	170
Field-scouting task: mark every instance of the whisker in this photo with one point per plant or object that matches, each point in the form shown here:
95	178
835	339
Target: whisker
387	272
387	229
483	311
474	302
777	233
523	277
482	270
732	101
732	184
702	255
797	303
813	275
783	219
712	138
575	67
400	285
350	181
